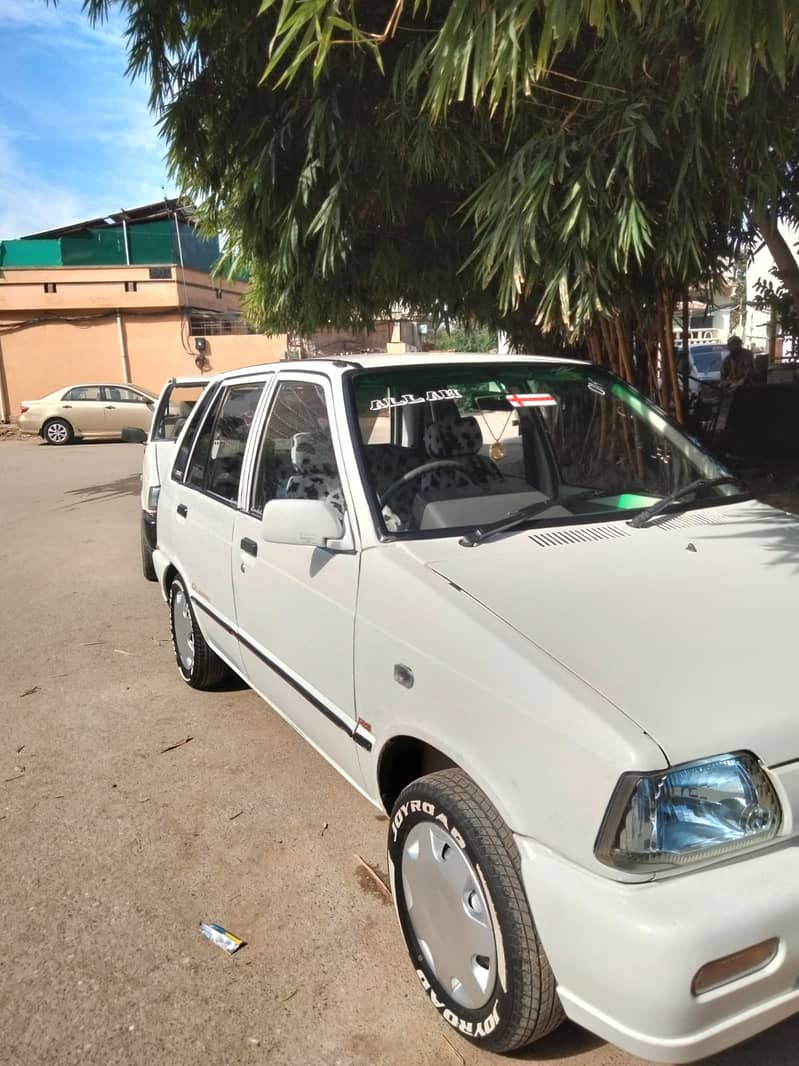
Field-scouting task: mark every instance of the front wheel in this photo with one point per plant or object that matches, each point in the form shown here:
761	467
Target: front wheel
456	878
198	665
58	431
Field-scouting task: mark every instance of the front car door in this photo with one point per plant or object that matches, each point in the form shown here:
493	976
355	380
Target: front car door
208	472
295	604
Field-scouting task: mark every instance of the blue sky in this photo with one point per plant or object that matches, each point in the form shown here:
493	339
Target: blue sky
76	137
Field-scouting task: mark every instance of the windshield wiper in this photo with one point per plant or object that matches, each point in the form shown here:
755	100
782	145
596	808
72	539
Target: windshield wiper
645	517
477	536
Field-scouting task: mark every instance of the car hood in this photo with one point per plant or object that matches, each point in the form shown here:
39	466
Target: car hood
688	626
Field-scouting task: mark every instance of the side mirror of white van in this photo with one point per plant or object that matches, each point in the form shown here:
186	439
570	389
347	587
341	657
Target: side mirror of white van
315	523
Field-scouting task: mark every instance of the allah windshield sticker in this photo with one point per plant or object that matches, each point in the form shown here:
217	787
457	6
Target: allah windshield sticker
531	399
407	399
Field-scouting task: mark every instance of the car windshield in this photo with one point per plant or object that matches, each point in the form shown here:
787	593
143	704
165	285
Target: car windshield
708	362
453	447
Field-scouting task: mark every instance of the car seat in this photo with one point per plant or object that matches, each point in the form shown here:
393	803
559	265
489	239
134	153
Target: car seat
459	439
316	475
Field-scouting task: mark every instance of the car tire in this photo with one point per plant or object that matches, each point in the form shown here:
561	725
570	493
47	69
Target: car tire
480	963
147	566
199	667
57	431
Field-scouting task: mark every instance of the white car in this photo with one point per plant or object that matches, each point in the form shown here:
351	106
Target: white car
174	406
475	584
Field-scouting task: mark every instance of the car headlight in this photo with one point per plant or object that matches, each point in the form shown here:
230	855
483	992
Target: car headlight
152	498
688	814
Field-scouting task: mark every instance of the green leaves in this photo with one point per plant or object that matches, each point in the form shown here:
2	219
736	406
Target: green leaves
520	161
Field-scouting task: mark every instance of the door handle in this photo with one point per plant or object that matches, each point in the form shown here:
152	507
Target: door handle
249	546
182	510
66	406
110	407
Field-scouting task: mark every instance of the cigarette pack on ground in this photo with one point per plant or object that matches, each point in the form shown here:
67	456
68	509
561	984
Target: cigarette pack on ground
221	937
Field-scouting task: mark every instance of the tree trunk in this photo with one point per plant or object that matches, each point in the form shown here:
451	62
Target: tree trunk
781	253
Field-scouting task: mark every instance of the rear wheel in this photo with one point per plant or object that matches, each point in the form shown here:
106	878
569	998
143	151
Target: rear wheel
456	878
198	665
57	431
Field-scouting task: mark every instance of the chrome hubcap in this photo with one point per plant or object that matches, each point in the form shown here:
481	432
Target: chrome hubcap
57	433
449	915
183	629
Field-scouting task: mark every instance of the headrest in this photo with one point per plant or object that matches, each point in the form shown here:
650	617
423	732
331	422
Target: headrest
312	453
444	440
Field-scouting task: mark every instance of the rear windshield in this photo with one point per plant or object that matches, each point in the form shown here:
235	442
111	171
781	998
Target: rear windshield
708	362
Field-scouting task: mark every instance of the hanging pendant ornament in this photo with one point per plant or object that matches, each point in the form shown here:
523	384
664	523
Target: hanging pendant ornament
496	451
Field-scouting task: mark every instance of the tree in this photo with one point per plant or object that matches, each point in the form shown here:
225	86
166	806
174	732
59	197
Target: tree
566	166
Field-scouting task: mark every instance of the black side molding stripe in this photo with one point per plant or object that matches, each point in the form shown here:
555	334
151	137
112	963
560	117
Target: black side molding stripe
361	741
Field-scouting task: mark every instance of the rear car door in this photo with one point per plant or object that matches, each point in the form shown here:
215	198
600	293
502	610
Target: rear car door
83	407
126	407
203	501
295	604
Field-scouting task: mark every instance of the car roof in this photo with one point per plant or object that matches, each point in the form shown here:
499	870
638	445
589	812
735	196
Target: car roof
390	361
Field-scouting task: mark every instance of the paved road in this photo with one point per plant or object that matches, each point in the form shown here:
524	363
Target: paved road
113	850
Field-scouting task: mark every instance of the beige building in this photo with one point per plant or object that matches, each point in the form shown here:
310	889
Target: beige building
128	298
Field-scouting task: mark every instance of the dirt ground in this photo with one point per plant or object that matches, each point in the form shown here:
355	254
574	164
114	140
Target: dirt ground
120	834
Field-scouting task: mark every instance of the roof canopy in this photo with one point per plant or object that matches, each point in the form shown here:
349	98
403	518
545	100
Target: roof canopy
163	209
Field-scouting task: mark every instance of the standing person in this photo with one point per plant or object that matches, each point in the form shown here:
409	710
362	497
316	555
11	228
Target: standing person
736	370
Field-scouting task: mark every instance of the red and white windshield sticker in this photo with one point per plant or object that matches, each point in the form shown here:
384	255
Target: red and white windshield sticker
531	399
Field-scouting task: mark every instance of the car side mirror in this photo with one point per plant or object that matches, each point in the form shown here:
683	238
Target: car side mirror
315	523
134	435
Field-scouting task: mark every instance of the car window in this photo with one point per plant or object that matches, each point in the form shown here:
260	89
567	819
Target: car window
116	394
207	402
296	459
174	409
218	456
83	392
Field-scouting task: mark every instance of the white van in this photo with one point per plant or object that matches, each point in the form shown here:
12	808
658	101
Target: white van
175	403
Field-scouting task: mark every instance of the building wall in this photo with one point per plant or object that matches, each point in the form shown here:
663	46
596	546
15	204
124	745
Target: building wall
159	349
22	290
41	358
54	347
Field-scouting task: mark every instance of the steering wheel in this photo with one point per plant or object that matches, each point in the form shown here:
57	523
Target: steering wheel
425	468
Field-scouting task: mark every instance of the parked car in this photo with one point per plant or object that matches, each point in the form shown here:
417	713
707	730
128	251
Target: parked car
704	368
87	412
476	586
174	406
707	361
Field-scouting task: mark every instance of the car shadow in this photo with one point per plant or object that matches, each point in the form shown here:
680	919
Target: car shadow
107	490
